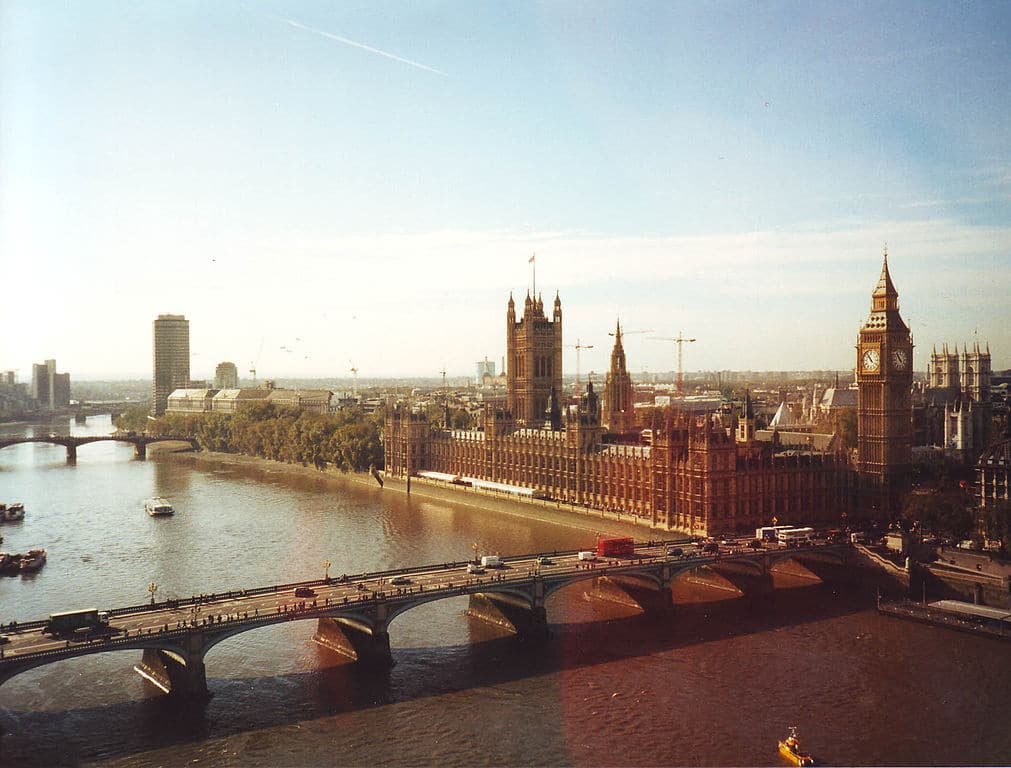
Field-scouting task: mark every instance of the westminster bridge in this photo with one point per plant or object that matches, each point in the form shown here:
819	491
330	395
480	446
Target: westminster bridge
72	442
353	613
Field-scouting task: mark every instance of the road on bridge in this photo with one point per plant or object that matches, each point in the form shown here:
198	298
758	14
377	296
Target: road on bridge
342	590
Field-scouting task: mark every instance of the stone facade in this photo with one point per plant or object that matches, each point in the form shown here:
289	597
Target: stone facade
208	400
619	396
955	410
993	473
534	352
884	368
692	471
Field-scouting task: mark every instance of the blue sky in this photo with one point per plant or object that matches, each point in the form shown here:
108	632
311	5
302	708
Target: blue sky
320	185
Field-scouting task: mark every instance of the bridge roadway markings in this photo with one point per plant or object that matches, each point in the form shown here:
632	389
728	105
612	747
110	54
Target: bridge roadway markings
267	604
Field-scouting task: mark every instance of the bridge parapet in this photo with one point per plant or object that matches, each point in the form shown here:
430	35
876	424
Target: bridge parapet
72	442
353	613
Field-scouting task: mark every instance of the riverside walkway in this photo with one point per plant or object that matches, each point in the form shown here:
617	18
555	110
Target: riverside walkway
353	612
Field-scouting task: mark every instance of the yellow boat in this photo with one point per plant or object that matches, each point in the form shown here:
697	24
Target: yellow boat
790	749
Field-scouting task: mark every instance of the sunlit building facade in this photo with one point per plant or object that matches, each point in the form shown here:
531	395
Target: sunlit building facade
691	471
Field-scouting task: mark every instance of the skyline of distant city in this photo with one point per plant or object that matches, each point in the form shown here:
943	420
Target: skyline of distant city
322	188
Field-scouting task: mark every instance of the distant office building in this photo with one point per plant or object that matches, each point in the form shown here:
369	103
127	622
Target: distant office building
484	367
8	378
171	352
226	376
50	389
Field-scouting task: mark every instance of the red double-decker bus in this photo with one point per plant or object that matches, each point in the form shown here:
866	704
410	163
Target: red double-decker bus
617	547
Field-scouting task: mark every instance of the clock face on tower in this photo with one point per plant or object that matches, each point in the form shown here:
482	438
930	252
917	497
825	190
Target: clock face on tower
900	359
870	360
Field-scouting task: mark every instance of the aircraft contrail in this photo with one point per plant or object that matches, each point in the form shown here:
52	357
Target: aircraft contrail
364	47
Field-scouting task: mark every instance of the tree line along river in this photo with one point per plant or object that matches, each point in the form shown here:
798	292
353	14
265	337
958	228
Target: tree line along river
716	681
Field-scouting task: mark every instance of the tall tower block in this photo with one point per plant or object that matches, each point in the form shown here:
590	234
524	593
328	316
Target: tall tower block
171	353
534	355
884	404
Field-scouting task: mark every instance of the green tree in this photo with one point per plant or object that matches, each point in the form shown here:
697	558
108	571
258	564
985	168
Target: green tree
134	419
348	440
942	512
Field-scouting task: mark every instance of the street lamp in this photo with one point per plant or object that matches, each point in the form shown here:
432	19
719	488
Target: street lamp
474	547
326	570
152	588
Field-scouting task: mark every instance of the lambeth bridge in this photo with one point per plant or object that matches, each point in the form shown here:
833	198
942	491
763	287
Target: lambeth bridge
353	613
72	443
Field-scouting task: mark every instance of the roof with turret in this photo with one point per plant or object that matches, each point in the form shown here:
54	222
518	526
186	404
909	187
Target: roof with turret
886	317
885	286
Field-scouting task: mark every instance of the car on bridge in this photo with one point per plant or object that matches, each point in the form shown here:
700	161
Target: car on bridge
544	560
305	592
675	552
474	568
400	580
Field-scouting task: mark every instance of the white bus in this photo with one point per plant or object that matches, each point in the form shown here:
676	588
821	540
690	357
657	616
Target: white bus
768	532
794	536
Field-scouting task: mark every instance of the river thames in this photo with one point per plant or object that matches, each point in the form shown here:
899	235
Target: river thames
716	681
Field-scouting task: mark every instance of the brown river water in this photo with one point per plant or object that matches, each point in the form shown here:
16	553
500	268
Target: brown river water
716	681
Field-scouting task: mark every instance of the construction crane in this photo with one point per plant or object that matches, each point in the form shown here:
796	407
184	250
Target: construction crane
628	333
680	340
445	399
254	363
578	346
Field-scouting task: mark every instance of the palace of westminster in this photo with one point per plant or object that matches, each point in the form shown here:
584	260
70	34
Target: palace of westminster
680	468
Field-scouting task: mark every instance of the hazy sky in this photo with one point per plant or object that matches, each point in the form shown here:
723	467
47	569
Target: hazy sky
321	184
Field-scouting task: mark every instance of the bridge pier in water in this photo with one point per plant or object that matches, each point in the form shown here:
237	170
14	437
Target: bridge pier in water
363	642
71	454
511	613
174	673
631	591
140	450
746	580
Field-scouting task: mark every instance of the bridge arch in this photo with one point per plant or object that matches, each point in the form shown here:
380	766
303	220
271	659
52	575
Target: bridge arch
72	442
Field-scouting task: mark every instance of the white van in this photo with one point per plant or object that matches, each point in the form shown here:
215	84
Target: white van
588	554
491	561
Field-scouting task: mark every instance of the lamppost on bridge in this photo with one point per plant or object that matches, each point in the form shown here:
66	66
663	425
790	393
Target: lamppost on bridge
474	547
152	588
326	570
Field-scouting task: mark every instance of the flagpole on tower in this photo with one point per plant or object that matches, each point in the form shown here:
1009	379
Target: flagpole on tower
533	261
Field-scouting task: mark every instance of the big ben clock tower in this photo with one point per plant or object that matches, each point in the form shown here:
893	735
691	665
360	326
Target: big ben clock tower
884	407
